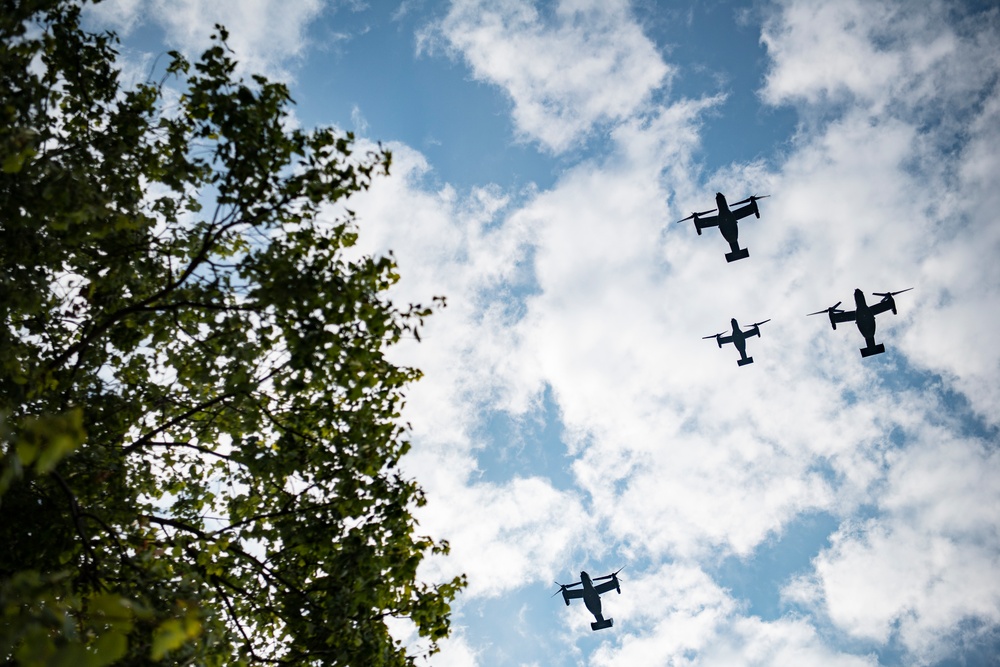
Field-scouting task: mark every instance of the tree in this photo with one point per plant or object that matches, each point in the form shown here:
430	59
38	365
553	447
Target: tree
200	427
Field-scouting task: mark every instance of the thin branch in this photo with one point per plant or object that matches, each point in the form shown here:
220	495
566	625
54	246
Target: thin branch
203	450
146	439
74	507
266	571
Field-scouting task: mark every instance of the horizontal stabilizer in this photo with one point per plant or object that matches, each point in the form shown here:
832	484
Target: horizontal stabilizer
744	362
872	349
742	253
600	625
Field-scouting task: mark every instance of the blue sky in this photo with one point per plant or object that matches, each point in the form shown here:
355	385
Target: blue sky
813	508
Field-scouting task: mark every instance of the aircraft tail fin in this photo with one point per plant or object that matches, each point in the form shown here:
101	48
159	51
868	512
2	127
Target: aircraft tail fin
872	349
742	253
600	625
744	362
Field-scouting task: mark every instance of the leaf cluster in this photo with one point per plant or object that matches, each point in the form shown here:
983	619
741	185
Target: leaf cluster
200	428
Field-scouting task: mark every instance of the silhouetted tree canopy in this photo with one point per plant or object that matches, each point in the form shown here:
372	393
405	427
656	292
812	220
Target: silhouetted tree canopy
200	428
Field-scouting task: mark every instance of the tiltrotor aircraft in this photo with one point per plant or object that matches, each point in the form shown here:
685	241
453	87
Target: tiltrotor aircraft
591	595
864	315
739	339
727	221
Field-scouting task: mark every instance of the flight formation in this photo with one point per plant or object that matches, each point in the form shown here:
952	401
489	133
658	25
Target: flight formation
727	220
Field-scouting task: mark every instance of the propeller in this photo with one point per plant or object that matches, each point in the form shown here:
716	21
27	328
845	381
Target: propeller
695	215
714	336
563	587
751	198
757	324
831	309
609	576
886	295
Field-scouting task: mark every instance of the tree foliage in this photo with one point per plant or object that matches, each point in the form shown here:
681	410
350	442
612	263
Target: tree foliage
200	428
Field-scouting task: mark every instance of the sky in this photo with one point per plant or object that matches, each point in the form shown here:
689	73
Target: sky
812	508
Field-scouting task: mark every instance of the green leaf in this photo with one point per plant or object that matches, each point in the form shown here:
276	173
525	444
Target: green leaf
108	649
168	637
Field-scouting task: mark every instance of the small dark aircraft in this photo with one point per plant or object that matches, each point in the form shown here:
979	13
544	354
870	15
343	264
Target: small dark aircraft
727	221
591	595
865	317
739	339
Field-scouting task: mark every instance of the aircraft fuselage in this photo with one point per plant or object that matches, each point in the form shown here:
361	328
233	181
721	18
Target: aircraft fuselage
728	225
591	598
864	318
740	339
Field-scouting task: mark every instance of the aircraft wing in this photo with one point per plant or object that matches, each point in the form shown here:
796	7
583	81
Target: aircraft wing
606	586
843	316
741	213
880	307
725	339
707	221
572	593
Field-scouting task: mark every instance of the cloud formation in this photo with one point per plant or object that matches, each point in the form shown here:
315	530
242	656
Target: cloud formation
587	64
266	36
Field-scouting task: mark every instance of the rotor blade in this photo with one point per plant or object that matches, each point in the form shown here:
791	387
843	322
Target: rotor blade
750	198
715	336
826	310
609	576
886	295
757	324
564	587
693	215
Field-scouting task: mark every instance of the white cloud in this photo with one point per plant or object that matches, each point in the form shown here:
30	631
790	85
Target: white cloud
906	174
122	16
678	616
265	35
784	643
894	179
822	51
672	611
928	563
587	64
879	54
458	245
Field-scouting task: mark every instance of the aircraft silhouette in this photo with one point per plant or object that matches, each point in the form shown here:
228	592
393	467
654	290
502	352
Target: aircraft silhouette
739	339
865	317
727	221
591	595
